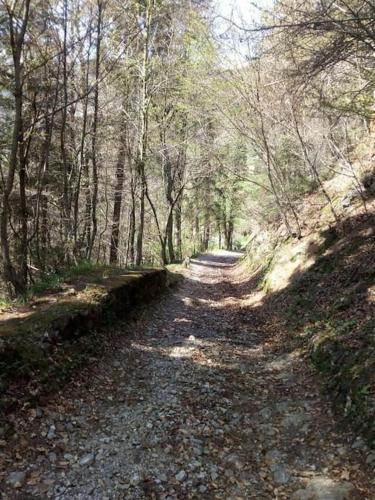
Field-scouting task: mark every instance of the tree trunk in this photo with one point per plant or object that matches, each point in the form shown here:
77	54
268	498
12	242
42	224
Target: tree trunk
139	247
22	258
131	237
120	170
178	225
16	41
83	166
142	145
169	233
95	178
64	155
164	258
229	234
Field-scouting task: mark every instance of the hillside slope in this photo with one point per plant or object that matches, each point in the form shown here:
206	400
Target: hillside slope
320	291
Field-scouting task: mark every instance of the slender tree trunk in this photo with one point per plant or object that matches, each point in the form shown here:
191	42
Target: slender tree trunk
64	155
169	231
180	182
16	41
23	210
132	228
163	246
143	131
44	229
83	165
95	177
42	204
206	233
118	193
197	243
168	188
229	234
178	226
141	225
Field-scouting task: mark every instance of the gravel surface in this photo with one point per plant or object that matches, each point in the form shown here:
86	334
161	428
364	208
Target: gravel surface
195	402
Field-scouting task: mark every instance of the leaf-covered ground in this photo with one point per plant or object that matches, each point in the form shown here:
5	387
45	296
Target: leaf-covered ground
197	400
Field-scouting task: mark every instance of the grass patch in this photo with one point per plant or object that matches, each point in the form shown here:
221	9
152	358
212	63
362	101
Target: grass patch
6	303
52	281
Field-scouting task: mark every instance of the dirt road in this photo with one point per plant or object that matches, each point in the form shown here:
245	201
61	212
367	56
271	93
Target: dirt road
195	402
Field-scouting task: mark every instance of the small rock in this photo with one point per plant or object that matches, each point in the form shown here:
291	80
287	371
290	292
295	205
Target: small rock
359	444
235	462
135	480
295	420
51	432
87	459
16	479
265	413
349	198
69	426
280	474
272	456
181	476
214	476
322	488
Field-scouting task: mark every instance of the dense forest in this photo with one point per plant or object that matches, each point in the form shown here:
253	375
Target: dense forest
130	134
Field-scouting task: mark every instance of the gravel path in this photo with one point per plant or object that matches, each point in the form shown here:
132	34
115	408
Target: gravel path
194	403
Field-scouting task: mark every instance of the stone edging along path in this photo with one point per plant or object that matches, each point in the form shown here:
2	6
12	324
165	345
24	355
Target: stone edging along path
41	345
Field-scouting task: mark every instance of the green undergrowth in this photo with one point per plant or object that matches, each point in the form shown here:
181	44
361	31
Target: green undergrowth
55	281
52	280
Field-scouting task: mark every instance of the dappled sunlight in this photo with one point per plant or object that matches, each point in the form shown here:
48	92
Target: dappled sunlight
255	300
290	260
371	295
196	302
182	320
225	302
6	315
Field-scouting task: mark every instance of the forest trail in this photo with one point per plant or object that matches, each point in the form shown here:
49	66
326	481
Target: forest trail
194	403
